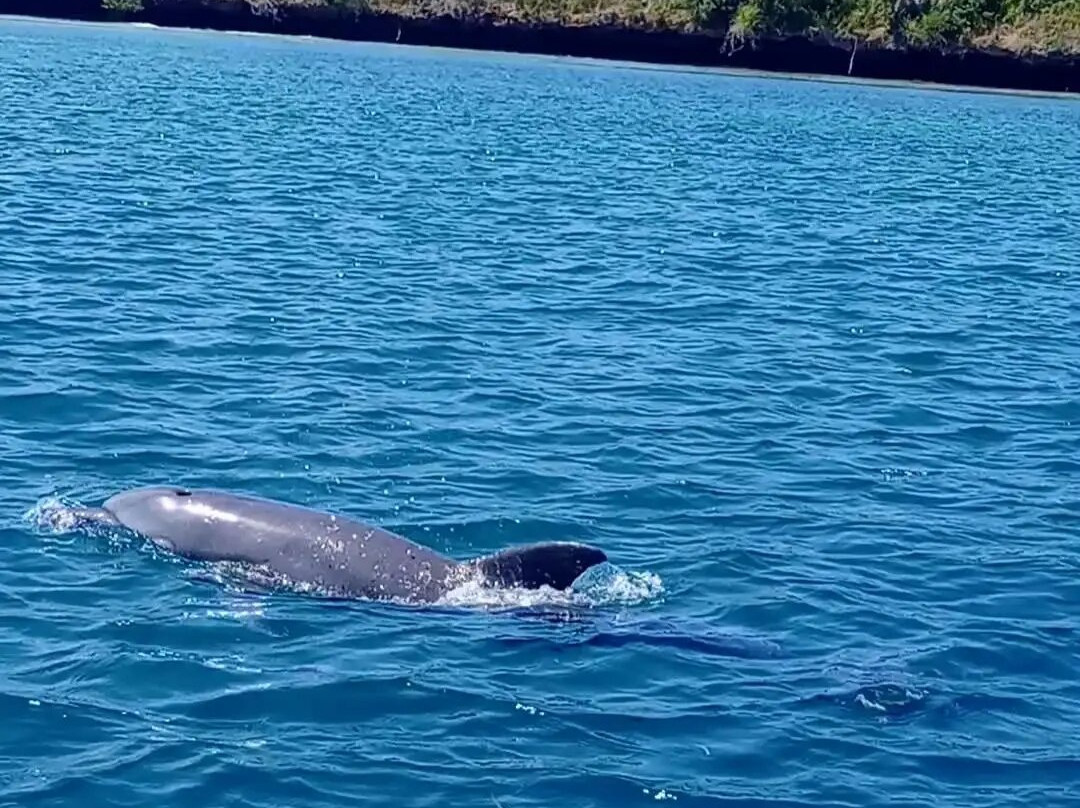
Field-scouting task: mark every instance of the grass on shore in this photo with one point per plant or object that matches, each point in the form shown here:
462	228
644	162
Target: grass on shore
1017	26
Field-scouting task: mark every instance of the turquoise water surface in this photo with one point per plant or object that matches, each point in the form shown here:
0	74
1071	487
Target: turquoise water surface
802	357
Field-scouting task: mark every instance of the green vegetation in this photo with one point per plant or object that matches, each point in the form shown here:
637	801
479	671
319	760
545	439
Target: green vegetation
122	6
1019	26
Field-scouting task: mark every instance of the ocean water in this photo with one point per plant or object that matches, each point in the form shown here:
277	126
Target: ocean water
801	357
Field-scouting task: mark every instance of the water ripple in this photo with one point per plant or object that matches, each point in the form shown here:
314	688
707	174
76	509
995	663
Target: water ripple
801	357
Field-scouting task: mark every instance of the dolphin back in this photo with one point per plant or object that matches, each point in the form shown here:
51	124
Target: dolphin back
554	564
336	552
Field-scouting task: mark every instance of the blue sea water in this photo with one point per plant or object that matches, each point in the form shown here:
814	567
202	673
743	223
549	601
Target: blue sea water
802	357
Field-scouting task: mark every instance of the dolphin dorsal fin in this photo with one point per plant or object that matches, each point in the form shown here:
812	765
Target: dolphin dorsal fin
554	564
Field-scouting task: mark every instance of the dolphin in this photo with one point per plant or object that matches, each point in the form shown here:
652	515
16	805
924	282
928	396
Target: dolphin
339	555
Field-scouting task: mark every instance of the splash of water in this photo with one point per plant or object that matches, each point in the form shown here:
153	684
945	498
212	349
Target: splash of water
54	514
603	585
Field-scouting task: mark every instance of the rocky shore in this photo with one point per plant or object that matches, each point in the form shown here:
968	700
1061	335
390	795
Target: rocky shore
678	42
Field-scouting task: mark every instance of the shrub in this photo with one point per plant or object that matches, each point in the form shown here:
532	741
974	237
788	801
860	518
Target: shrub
122	6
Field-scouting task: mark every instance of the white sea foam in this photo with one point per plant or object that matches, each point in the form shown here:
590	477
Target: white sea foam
604	585
52	514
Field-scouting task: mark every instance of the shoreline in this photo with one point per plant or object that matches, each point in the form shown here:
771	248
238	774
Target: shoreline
802	56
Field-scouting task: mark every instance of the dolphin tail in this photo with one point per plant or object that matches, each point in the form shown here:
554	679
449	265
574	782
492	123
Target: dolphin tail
554	564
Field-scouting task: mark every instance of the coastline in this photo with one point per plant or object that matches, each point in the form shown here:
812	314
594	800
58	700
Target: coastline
804	55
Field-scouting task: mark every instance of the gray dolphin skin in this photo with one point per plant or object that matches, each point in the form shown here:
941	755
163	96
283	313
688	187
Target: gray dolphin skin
339	555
